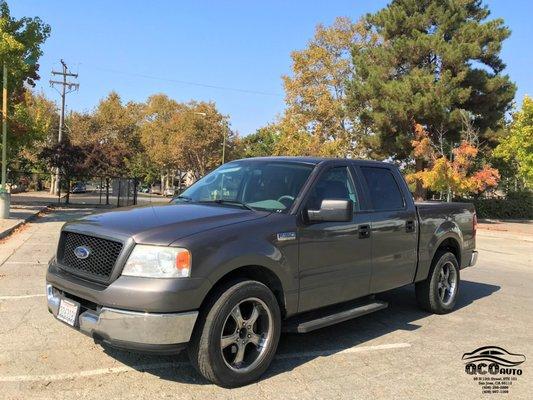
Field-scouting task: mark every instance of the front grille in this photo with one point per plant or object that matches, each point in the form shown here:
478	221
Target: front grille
103	254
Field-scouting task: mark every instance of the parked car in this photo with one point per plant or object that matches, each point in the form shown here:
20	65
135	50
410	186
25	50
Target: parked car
78	187
257	247
156	189
169	192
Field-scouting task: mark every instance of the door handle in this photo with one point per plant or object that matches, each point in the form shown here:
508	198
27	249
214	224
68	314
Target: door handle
364	231
409	226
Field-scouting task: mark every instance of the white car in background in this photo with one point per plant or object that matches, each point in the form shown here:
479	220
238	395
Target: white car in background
169	192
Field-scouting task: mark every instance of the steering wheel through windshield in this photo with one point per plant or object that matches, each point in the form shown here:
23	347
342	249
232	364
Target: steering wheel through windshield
286	200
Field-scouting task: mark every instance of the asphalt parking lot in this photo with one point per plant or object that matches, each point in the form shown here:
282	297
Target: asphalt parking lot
400	352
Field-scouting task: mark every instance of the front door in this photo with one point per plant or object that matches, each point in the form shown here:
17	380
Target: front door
334	257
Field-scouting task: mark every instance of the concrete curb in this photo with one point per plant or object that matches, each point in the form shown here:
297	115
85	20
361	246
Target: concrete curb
8	231
504	234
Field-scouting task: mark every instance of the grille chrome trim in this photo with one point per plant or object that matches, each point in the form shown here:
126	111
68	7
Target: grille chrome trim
101	262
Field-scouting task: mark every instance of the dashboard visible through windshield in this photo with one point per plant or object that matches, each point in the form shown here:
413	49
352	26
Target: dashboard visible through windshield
269	185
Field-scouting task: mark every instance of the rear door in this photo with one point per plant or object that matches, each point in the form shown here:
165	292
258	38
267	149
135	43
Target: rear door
334	258
393	225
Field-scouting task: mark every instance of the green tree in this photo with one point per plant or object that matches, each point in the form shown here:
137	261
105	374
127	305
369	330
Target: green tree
181	138
262	143
20	48
316	113
67	157
34	125
156	131
140	166
434	60
197	144
517	147
112	131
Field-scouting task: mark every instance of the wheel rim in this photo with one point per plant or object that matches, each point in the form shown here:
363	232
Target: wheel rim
447	283
246	335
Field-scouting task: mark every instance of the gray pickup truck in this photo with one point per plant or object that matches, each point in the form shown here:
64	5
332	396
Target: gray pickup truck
257	247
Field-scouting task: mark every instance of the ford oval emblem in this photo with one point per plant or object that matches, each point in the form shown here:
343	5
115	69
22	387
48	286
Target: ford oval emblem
82	252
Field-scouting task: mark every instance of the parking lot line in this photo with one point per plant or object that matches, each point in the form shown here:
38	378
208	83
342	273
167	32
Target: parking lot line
22	296
156	366
324	353
26	263
92	372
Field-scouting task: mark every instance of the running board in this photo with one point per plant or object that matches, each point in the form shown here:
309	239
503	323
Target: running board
304	325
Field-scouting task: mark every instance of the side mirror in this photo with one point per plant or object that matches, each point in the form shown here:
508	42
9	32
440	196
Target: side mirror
332	211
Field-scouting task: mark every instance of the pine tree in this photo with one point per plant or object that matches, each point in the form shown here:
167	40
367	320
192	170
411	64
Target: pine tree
435	60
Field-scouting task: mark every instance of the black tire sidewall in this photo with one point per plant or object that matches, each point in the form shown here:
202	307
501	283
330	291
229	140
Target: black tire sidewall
435	300
220	312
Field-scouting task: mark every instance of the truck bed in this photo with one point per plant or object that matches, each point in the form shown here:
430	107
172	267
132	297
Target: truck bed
436	219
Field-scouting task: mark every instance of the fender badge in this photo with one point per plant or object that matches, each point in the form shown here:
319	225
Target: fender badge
283	236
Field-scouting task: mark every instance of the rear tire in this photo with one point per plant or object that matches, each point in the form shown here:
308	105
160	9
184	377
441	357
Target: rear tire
438	293
237	334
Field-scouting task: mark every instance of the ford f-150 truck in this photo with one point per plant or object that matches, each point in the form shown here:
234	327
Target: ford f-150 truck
256	247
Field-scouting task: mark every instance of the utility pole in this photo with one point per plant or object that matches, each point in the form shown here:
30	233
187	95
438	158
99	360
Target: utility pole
71	86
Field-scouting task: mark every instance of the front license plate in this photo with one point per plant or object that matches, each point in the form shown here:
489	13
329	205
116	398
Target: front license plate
68	311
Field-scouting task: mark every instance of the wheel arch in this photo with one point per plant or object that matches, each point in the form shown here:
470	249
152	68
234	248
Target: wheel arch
253	272
446	235
450	244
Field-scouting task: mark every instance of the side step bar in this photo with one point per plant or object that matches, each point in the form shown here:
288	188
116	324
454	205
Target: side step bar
304	325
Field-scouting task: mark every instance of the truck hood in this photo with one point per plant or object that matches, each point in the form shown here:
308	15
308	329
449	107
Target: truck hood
161	224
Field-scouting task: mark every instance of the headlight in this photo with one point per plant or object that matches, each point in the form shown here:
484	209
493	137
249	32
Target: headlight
158	262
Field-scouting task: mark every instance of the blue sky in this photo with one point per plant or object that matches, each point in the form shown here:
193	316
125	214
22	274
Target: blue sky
234	44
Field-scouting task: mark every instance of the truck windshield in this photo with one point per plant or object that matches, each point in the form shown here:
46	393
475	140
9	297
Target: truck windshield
270	186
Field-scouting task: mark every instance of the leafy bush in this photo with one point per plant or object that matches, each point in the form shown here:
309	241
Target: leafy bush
518	205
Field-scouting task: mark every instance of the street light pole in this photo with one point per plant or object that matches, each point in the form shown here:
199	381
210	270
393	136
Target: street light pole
5	197
224	146
4	126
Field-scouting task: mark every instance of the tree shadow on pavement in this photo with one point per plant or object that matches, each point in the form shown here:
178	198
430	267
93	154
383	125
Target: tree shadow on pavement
64	214
297	349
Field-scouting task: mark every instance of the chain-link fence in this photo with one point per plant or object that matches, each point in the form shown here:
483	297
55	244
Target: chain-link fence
116	191
41	188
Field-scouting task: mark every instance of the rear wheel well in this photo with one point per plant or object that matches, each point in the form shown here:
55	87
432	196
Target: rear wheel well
256	273
452	246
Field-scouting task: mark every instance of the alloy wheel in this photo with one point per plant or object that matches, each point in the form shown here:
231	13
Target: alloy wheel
246	335
447	283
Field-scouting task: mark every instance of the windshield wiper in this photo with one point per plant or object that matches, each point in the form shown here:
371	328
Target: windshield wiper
180	197
231	202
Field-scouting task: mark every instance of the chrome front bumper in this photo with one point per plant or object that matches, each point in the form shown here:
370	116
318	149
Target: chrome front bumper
138	328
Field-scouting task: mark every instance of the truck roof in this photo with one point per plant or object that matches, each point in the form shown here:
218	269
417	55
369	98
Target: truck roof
311	160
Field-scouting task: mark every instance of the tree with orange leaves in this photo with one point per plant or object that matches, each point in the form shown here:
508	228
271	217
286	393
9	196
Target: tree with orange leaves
456	174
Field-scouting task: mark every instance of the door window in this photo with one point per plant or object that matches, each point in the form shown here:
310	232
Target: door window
335	183
384	190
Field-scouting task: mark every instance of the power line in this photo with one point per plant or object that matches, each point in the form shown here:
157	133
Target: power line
199	84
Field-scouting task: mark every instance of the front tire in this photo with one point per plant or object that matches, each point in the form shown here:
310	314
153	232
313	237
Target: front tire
237	334
438	293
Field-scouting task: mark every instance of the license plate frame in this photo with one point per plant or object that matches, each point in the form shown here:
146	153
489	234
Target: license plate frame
68	311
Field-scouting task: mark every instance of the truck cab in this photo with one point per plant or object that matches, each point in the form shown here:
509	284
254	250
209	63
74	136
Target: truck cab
256	247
